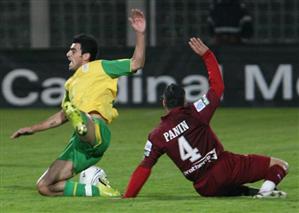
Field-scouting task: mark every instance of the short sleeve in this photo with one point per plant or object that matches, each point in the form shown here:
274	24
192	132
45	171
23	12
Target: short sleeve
117	68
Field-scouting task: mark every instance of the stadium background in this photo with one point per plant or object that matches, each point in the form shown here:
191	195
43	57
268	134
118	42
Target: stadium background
35	35
260	76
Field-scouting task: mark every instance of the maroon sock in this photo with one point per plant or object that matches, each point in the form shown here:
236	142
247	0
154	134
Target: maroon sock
275	174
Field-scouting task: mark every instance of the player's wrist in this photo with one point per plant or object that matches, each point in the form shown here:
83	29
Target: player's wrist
140	33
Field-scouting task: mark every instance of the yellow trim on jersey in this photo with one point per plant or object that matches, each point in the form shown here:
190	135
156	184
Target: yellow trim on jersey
98	135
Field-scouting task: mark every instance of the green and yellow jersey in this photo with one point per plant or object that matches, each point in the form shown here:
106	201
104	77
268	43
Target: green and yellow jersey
93	87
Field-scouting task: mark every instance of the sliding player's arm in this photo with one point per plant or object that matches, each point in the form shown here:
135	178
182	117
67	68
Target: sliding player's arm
211	64
137	180
143	171
55	120
208	103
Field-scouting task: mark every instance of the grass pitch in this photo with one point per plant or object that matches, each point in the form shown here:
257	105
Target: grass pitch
273	132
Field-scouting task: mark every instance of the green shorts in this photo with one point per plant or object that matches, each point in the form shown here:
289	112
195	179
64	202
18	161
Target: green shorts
83	154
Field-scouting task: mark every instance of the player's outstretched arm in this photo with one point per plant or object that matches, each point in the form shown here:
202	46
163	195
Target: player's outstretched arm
53	121
210	61
137	180
138	23
198	46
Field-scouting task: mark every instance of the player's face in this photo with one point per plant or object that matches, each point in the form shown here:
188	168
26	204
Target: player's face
74	55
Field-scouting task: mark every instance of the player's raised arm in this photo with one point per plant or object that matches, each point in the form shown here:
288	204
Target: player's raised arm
215	79
53	121
138	24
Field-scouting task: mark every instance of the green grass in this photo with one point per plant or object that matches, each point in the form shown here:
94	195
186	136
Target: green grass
273	132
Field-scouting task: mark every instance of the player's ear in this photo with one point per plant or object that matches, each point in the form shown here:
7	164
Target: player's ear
165	105
86	56
164	102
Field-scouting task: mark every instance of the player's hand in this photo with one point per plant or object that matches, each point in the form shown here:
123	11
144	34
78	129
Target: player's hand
198	46
137	21
22	131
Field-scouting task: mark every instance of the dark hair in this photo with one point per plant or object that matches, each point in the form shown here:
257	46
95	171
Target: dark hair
174	96
88	45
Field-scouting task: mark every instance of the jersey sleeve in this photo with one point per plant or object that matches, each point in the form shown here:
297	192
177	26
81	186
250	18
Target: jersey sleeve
215	78
206	106
151	154
136	182
117	68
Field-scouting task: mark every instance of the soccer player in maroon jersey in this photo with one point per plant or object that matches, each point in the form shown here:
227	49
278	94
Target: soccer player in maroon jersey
185	135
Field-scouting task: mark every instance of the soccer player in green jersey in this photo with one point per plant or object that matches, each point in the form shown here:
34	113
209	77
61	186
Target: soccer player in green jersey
88	105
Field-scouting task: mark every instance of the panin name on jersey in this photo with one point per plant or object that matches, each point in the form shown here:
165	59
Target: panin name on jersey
176	131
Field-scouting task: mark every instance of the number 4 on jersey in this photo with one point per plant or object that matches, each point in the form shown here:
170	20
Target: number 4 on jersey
186	151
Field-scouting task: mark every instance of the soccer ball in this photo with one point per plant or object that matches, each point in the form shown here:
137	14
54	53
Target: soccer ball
93	175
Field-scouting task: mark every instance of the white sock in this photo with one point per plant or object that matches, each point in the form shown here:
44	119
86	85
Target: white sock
88	190
267	186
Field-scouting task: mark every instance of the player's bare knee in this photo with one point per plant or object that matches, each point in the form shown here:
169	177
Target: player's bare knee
42	189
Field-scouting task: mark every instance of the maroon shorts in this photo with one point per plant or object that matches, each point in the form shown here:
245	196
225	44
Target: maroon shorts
231	171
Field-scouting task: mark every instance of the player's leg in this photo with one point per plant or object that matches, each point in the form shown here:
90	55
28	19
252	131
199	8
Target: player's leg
81	122
52	182
276	171
252	168
232	171
77	156
77	189
223	178
71	188
241	190
55	181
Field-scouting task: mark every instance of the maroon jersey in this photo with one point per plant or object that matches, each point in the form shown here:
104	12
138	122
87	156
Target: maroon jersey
185	135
